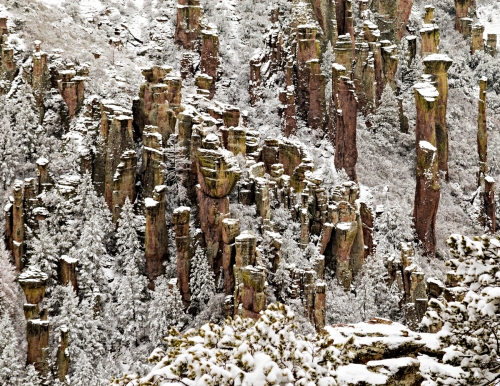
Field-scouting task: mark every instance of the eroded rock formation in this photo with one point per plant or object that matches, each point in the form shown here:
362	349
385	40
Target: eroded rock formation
427	191
156	235
437	65
187	28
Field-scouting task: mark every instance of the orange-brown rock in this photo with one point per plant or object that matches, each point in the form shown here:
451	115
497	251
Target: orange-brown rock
430	40
156	235
392	17
62	359
320	305
124	182
230	229
489	218
427	191
316	118
463	9
119	141
253	296
466	27
491	44
389	62
437	65
209	61
218	172
67	272
72	89
40	77
307	49
364	78
477	40
153	158
344	18
344	52
187	65
37	333
346	153
367	219
18	244
181	218
152	107
189	13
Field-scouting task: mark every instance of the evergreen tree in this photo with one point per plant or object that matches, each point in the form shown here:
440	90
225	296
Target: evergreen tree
386	119
202	280
11	358
90	252
176	165
43	252
127	241
374	298
165	310
32	377
130	308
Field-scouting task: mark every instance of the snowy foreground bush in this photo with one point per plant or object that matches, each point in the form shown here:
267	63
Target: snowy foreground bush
245	352
469	312
461	347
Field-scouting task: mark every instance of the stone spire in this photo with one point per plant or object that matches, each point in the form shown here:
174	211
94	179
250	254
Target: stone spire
346	152
156	237
437	65
427	191
488	216
463	9
187	28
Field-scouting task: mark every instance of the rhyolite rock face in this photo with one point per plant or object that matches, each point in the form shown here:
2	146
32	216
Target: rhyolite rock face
187	29
427	191
346	154
437	65
156	236
181	218
463	9
218	171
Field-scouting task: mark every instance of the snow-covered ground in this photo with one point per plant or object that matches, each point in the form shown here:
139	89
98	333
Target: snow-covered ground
489	15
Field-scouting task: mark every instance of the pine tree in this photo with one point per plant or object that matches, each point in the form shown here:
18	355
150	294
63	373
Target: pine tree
165	310
176	165
386	119
130	307
202	280
373	295
127	241
43	252
32	377
91	253
11	360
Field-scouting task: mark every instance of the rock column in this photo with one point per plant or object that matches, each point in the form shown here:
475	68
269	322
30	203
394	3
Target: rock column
187	29
156	236
477	40
427	192
488	216
437	65
230	230
463	9
33	283
62	361
18	225
218	172
307	49
346	152
209	61
67	272
124	182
